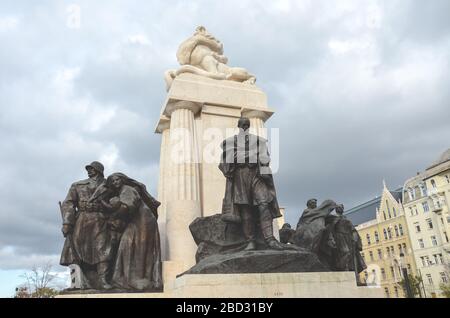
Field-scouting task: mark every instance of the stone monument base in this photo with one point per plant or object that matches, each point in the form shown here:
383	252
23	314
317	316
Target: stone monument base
265	285
273	285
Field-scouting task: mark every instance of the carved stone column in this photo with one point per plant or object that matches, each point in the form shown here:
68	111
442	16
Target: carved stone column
163	190
183	201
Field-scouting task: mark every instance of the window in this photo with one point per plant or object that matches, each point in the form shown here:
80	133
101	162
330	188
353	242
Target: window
444	277
442	221
436	259
430	224
368	238
421	244
377	239
412	194
408	268
371	256
434	240
384	215
400	228
392	272
415	210
417	227
388	251
393	210
383	274
392	250
385	234
424	263
426	207
446	237
396	292
389	233
411	211
437	204
386	292
405	251
366	275
430	280
427	261
380	254
389	210
441	259
400	248
433	183
396	230
423	189
447	178
362	255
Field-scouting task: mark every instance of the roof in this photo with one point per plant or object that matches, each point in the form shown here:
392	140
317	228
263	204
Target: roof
367	211
445	156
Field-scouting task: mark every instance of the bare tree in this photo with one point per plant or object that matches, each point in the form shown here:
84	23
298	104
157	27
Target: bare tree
37	283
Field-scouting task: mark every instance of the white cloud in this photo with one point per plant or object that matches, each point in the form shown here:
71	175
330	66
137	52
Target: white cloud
8	23
141	39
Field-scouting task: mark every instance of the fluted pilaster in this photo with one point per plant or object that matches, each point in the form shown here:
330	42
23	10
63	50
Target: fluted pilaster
163	188
184	182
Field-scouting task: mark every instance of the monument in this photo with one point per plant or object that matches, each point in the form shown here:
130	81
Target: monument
217	204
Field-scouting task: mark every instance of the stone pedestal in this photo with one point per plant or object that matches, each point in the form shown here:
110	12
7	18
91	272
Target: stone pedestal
208	111
277	285
266	285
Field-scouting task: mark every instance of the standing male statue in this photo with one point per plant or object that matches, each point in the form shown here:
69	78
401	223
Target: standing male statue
88	242
250	197
346	255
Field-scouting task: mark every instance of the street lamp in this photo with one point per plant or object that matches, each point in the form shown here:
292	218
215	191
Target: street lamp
409	292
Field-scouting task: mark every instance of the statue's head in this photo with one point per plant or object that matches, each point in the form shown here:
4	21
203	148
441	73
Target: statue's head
115	181
340	209
94	169
244	123
312	203
200	29
286	226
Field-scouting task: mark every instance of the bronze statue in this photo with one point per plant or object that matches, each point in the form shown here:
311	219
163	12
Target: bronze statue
311	226
346	254
250	197
134	213
87	241
333	238
112	233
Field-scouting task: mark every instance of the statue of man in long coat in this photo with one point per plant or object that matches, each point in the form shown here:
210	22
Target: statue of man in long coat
88	243
250	196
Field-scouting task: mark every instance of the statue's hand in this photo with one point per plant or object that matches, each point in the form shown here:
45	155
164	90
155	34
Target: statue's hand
67	229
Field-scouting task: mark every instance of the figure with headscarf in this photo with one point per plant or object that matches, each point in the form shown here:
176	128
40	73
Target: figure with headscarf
133	216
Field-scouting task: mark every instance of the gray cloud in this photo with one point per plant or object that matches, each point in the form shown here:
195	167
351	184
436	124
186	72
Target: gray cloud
360	92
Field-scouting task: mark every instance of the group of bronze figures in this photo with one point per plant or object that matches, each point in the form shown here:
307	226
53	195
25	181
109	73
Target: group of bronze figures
111	232
111	229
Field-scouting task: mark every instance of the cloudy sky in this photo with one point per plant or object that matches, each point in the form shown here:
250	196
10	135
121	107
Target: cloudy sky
360	90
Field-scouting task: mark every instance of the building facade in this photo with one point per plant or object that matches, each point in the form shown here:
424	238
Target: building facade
425	200
387	249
